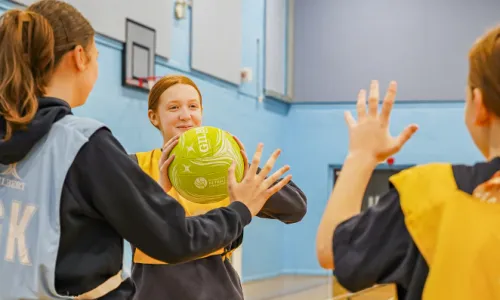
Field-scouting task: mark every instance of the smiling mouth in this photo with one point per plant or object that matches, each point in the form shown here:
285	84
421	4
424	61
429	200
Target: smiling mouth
185	127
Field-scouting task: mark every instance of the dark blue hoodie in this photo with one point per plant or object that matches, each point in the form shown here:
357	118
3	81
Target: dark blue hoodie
106	198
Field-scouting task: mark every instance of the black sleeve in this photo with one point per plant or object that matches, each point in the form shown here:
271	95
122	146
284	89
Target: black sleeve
138	208
374	247
289	205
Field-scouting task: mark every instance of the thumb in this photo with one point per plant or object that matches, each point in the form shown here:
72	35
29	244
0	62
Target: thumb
231	179
245	162
406	134
349	119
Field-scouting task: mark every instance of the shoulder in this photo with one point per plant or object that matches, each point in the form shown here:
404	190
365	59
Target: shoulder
101	147
468	177
438	175
149	153
419	181
418	173
147	156
85	126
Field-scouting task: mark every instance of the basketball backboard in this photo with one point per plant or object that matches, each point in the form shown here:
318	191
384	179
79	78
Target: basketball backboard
139	55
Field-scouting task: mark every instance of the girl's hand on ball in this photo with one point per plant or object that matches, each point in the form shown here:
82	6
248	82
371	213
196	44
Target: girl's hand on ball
369	135
255	189
243	153
165	161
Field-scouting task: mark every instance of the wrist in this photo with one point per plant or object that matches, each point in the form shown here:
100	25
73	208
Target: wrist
243	210
362	157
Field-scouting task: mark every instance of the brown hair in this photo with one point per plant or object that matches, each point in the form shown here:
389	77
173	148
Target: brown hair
163	84
33	43
484	69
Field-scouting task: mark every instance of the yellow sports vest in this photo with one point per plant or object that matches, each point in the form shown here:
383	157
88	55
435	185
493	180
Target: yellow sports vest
458	234
149	163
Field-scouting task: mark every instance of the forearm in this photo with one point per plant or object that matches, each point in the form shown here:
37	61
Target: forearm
345	202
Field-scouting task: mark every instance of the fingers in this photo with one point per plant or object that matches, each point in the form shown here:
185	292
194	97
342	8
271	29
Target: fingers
406	135
171	146
175	138
275	188
270	163
231	180
389	99
256	159
167	148
373	102
373	99
243	154
245	162
239	143
164	166
349	119
361	105
276	175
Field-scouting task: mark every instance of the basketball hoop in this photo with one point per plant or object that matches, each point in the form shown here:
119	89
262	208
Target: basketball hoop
146	83
152	81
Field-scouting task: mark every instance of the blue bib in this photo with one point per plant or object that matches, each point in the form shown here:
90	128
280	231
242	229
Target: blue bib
30	196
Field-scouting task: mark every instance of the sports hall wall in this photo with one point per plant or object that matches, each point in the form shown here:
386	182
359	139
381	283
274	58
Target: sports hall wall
330	65
124	110
339	47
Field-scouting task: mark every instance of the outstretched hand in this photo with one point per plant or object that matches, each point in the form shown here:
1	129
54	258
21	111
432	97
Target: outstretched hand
255	189
370	133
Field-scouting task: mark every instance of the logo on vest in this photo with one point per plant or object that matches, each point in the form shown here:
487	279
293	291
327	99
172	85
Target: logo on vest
11	179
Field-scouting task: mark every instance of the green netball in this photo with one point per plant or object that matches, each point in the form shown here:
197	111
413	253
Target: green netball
203	156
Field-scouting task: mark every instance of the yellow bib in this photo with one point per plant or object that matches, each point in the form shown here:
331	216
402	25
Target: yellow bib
149	163
457	234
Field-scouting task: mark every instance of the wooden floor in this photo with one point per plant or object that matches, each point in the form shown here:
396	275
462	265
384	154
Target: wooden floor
309	288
